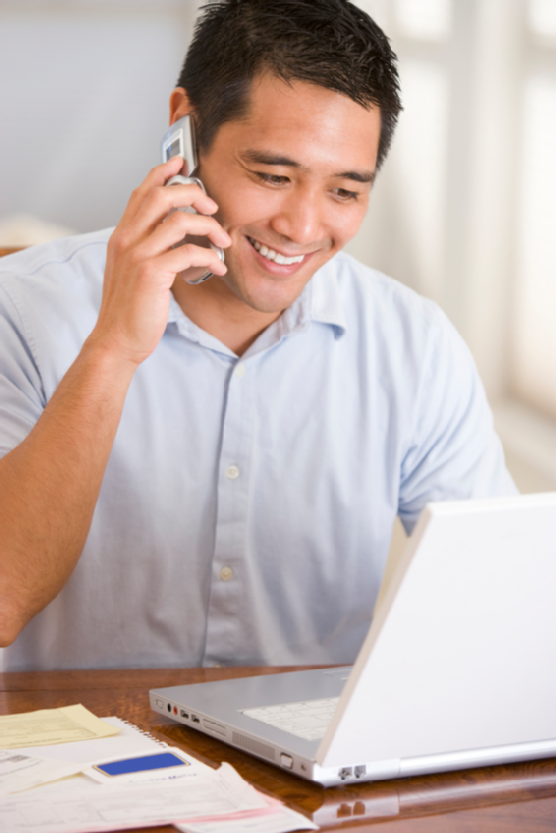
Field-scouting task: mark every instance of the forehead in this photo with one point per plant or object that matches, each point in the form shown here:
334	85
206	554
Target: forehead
317	125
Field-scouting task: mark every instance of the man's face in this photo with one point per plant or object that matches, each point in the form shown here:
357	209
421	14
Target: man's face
292	178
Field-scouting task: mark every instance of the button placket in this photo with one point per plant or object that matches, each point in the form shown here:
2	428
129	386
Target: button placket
227	599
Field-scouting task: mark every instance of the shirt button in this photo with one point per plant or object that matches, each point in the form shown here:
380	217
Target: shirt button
232	472
226	573
240	371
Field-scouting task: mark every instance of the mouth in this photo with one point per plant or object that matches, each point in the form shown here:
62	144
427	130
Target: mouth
274	257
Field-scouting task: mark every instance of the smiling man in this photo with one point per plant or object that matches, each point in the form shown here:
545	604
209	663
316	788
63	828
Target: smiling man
209	474
292	180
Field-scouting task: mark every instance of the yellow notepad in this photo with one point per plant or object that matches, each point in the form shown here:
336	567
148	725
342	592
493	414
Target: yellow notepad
49	726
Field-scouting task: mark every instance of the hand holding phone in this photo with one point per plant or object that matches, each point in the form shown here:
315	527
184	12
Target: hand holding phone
179	140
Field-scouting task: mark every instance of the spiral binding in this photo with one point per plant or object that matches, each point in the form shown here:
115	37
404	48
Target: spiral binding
142	732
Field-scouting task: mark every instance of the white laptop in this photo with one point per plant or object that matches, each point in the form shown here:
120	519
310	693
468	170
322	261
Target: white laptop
457	670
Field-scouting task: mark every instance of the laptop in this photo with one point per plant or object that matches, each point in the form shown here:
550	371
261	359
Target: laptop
457	669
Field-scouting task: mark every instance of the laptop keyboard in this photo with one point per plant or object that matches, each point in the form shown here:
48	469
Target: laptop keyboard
308	719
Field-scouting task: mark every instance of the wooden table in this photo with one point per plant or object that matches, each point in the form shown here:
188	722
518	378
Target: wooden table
521	797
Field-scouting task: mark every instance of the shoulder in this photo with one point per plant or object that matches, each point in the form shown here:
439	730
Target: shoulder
50	296
56	279
63	261
374	293
383	314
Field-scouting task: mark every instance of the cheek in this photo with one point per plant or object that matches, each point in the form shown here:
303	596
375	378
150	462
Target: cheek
246	205
351	220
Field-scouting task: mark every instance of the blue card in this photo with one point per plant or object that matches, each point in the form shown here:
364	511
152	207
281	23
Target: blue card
144	763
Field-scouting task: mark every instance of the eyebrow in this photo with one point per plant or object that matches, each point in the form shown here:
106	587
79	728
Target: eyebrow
266	158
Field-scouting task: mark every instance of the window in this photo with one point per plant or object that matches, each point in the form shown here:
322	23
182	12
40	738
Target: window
465	208
533	375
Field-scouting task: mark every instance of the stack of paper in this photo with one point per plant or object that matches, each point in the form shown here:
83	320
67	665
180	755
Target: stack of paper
74	773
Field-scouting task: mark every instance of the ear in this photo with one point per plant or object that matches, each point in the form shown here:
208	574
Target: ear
180	104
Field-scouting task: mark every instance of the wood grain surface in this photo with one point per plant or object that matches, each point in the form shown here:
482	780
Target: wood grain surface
518	797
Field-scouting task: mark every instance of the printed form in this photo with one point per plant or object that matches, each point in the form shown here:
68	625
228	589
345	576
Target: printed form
48	726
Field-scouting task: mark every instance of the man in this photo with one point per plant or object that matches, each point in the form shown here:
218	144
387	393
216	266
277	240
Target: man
209	474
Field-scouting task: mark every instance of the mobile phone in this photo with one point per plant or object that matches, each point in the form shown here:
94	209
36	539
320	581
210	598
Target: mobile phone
179	140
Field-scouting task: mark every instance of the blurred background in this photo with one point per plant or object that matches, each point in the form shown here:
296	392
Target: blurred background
464	210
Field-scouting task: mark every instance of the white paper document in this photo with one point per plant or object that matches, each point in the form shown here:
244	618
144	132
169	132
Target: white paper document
278	820
69	807
45	790
274	817
27	767
128	741
20	771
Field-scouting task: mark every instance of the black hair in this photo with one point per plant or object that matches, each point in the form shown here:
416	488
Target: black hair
330	43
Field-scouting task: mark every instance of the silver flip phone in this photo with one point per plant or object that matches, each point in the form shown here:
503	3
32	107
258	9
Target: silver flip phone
180	141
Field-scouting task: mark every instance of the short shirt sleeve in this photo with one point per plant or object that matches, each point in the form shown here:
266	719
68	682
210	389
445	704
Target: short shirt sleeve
454	452
22	398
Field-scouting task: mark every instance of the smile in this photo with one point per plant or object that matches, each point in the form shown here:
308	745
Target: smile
273	256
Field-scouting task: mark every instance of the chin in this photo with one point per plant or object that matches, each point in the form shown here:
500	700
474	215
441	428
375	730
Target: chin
271	297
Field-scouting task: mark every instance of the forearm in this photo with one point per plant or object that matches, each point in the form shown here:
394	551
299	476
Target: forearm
50	483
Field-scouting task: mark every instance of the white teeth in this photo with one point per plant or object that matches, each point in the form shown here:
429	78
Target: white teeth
270	254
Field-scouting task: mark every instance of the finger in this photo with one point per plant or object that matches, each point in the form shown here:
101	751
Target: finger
183	196
156	177
186	256
175	227
173	231
181	223
160	201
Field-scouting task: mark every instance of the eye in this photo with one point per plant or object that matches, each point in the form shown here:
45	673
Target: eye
344	195
271	179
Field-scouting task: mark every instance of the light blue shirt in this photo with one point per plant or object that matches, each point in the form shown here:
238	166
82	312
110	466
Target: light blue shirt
247	507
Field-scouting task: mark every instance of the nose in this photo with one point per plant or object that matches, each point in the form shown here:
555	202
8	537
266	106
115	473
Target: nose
300	217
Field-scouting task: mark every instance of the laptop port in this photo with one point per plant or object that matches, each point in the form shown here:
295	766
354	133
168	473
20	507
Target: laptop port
345	772
212	726
184	714
170	707
286	760
360	771
195	719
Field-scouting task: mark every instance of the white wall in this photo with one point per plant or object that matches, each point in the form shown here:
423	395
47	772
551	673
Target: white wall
84	102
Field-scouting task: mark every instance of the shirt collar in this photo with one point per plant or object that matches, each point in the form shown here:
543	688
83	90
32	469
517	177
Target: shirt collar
191	331
326	301
320	301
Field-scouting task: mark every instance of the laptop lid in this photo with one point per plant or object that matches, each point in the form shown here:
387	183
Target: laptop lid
458	659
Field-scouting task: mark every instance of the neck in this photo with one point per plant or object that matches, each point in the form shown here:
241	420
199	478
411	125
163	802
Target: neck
214	308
